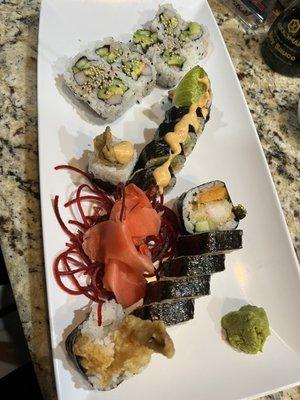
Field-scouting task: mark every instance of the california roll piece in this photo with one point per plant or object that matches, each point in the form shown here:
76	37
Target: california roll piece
172	313
217	242
112	160
109	50
117	349
194	40
134	68
167	22
100	86
173	45
139	71
208	207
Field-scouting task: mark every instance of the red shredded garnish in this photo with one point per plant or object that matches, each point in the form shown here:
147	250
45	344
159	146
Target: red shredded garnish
75	267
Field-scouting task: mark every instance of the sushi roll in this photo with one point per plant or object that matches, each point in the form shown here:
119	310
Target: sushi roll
172	313
110	77
177	135
207	208
117	349
100	87
192	266
217	242
173	45
134	68
112	160
167	22
167	291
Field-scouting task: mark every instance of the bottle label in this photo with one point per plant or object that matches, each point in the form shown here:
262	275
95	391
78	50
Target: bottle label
284	38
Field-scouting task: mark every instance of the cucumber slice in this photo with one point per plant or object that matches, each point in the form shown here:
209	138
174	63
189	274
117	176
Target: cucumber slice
202	226
102	52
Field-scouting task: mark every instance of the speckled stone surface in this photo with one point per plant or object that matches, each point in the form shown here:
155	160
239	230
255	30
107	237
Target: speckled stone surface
272	100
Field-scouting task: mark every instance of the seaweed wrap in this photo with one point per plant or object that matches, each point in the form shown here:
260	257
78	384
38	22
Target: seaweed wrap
156	153
209	242
172	313
192	266
165	291
207	208
144	178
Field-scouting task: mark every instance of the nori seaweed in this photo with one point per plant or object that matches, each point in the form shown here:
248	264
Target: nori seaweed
144	179
169	290
192	266
209	242
153	154
170	313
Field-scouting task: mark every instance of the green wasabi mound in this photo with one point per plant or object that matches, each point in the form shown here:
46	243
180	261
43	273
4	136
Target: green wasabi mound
190	88
247	328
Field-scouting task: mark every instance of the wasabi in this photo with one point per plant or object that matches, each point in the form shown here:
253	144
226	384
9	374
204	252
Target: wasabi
247	329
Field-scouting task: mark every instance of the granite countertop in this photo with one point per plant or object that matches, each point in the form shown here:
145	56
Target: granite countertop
272	100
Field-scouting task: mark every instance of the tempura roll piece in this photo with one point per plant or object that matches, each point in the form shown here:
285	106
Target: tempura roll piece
120	347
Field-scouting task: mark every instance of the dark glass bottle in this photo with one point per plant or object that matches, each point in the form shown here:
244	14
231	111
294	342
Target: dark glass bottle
281	48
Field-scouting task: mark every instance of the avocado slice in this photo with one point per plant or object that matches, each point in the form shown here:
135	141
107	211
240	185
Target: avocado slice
109	56
89	72
134	68
119	83
173	60
193	28
117	87
190	88
144	38
114	55
169	22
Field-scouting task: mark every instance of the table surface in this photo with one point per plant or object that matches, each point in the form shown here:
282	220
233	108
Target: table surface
272	100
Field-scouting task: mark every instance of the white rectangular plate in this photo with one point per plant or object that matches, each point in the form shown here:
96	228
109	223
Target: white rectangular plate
263	273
